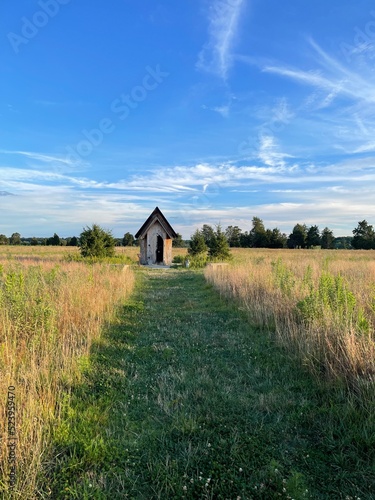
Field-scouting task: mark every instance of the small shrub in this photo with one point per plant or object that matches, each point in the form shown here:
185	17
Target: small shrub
283	277
197	244
198	261
331	295
96	242
179	259
219	247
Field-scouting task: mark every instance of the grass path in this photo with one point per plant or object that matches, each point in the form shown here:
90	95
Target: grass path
183	399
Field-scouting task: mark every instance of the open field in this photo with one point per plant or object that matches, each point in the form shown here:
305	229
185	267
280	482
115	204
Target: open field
184	398
51	253
58	253
252	380
321	304
54	253
49	316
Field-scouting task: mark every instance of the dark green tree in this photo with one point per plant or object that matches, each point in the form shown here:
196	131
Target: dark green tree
219	247
178	242
275	238
3	240
297	238
313	237
233	235
15	239
327	239
72	241
343	242
208	233
96	242
197	244
364	236
54	240
258	234
245	240
128	240
34	241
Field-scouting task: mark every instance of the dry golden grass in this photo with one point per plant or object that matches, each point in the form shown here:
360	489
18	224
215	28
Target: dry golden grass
36	253
50	314
55	253
321	304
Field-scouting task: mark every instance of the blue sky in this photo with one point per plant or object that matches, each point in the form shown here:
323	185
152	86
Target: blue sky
215	111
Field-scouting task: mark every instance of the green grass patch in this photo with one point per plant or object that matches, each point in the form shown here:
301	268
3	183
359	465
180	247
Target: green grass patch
182	398
115	259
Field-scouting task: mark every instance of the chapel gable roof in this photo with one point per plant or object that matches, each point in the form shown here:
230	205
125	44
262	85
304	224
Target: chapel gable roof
156	216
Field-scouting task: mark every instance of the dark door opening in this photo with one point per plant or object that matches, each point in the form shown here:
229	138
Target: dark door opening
160	250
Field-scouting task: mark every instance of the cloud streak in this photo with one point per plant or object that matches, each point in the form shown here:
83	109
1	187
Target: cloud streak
340	108
216	56
338	81
275	186
269	152
53	162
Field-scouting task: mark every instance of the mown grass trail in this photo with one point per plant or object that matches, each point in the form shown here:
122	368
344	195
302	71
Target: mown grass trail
183	399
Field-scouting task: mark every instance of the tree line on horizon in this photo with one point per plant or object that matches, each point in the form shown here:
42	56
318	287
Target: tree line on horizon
302	236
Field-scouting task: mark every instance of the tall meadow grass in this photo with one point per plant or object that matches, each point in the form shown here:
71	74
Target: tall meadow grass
50	313
320	304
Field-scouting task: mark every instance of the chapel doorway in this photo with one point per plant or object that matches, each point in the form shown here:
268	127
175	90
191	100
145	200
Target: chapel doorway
160	250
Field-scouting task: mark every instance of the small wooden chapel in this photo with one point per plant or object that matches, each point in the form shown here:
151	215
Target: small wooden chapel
156	235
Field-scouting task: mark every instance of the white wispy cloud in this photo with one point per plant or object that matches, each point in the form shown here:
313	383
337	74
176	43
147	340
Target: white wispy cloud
195	194
67	212
221	110
58	163
270	154
282	112
337	79
216	55
312	77
37	156
9	174
276	167
366	148
340	107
